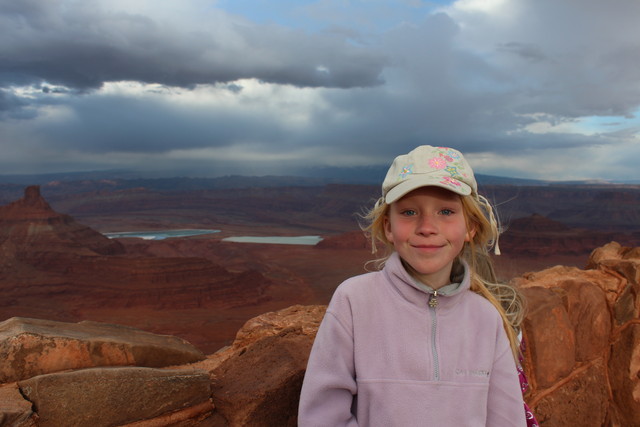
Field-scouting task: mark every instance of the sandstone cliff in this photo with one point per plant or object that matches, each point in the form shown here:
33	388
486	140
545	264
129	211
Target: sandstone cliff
582	332
538	236
29	227
583	335
53	267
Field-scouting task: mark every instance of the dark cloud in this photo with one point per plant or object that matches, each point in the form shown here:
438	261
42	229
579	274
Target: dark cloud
8	101
526	51
14	107
561	58
123	124
509	86
81	45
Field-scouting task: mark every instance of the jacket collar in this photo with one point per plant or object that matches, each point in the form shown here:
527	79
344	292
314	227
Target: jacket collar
416	292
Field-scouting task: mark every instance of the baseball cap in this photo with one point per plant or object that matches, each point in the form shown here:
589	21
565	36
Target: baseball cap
429	166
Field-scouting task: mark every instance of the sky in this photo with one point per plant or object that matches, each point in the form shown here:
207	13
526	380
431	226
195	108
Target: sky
543	89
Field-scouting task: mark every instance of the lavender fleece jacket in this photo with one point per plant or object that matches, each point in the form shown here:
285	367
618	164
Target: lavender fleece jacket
384	357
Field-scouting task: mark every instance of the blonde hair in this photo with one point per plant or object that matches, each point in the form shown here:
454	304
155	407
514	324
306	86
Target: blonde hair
479	216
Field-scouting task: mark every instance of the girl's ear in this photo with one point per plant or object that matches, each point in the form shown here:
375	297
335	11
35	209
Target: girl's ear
470	235
387	228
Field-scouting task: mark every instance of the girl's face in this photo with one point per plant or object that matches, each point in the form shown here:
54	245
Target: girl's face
427	228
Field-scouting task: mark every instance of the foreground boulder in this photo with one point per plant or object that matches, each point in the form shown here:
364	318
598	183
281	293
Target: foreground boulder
15	411
582	330
115	396
30	347
257	381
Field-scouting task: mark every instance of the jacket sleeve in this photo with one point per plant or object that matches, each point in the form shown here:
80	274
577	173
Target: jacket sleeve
505	405
329	384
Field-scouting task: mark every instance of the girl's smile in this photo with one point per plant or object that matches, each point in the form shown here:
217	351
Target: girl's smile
428	230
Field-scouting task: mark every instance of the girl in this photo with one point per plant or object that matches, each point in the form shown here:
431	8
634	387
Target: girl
426	341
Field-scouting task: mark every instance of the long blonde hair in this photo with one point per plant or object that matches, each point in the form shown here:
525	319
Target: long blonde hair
479	216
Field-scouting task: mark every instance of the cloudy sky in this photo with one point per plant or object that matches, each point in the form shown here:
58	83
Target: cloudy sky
544	89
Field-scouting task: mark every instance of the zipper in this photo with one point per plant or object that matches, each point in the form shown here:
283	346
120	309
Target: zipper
433	304
433	299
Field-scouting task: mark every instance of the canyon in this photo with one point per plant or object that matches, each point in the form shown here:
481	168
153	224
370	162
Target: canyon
59	266
56	265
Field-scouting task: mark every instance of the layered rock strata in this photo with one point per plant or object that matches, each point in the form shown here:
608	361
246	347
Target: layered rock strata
541	237
51	264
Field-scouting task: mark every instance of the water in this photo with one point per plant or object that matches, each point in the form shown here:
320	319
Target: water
167	234
294	240
160	235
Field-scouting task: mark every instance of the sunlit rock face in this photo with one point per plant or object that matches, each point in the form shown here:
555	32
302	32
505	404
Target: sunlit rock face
98	374
30	347
583	340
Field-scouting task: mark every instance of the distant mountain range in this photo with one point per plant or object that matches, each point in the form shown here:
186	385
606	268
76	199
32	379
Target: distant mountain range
369	175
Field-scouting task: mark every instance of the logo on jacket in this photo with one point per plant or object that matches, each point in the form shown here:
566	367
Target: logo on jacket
473	372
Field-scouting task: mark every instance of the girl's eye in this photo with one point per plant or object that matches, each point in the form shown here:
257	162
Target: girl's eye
446	212
408	212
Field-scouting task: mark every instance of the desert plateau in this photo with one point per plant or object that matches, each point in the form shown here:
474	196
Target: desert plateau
57	264
198	330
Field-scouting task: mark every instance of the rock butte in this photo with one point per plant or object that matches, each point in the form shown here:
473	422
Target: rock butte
53	267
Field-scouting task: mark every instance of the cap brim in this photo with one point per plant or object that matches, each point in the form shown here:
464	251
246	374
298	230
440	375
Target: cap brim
415	182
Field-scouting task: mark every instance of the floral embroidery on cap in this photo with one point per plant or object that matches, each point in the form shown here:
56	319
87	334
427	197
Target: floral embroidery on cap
407	170
451	153
448	160
450	181
438	163
453	171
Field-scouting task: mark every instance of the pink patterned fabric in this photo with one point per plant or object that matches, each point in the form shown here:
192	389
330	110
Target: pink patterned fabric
524	385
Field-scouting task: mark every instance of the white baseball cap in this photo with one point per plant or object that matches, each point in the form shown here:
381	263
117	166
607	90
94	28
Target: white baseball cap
429	166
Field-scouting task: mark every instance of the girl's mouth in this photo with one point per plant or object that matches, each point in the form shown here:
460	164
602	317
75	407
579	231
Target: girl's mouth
427	247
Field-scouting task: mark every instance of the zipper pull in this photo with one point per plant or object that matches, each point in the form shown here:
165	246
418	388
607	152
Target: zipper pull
433	299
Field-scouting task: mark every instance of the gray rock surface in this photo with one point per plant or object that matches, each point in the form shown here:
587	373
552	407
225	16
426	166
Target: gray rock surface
101	397
30	347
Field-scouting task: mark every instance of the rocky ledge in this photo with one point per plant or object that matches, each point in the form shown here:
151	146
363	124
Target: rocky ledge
582	332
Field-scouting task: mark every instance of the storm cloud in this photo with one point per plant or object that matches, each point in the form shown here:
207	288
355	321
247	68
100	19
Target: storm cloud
526	88
82	45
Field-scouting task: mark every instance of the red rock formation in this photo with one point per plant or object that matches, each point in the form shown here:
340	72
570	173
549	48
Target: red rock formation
53	267
583	335
538	236
29	226
95	374
117	396
351	240
30	347
15	411
257	380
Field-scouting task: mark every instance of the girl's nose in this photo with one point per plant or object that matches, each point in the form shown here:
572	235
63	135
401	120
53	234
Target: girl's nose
426	225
